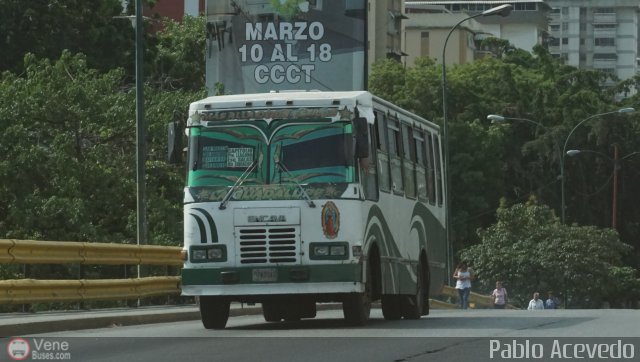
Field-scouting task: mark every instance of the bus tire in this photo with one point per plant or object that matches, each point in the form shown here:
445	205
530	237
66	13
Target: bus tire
414	304
271	312
391	307
357	306
214	312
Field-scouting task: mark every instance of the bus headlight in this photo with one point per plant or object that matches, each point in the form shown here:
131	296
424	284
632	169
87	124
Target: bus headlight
329	251
198	255
214	253
208	253
320	250
339	250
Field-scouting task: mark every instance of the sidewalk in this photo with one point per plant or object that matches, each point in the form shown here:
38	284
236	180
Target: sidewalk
16	324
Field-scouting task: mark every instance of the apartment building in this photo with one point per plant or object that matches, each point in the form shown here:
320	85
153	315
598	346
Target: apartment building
430	21
385	29
597	34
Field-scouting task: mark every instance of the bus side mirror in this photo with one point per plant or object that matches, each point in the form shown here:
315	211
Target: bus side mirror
361	130
174	143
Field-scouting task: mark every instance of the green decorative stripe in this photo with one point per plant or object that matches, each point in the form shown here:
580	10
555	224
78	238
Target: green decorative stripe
203	231
244	275
212	224
389	243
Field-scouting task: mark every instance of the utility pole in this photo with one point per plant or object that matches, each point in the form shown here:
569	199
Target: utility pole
140	131
614	206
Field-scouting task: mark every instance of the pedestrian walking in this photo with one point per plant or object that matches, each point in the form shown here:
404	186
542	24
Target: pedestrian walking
463	275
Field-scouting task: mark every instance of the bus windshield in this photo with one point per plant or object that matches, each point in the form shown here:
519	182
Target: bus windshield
286	152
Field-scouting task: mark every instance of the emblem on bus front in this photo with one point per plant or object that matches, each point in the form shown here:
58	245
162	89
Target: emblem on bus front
330	220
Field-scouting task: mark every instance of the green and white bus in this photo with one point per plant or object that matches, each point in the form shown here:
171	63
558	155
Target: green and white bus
299	198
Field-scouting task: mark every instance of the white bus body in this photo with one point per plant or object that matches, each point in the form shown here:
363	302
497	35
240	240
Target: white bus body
296	198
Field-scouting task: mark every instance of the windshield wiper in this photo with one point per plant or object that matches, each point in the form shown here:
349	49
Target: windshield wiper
239	182
276	159
194	165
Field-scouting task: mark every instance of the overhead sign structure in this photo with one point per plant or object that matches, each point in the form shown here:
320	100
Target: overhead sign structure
258	46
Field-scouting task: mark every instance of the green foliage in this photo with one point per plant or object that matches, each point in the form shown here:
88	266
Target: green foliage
529	250
67	134
47	27
70	131
178	57
286	8
518	159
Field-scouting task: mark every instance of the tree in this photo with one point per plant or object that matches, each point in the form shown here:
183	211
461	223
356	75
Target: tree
47	27
521	158
530	251
177	59
70	131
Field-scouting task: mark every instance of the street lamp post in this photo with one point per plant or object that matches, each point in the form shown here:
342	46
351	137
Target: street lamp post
502	10
616	165
140	131
564	153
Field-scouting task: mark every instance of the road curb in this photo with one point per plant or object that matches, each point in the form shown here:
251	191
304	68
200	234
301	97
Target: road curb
58	323
77	320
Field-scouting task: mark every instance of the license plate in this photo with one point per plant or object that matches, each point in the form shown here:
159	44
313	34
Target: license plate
265	275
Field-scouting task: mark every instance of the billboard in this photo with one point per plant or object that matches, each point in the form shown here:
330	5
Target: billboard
256	46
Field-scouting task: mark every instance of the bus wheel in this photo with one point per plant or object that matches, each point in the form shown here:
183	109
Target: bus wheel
391	307
271	312
415	303
357	307
214	312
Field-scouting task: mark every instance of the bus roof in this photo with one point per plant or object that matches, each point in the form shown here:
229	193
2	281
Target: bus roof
297	99
294	99
284	99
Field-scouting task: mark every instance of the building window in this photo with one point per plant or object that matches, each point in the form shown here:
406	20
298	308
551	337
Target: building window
554	42
524	6
604	11
583	57
555	11
611	71
605	56
565	26
565	41
604	42
583	12
604	26
565	11
424	44
554	27
581	41
583	27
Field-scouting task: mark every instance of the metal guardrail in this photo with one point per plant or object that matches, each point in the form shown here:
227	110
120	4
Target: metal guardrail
69	252
21	291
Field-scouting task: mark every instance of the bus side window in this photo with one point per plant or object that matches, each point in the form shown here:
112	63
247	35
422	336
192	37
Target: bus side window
370	176
395	156
408	162
431	170
421	176
383	155
438	166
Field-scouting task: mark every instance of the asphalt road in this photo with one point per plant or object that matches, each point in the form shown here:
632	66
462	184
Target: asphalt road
445	335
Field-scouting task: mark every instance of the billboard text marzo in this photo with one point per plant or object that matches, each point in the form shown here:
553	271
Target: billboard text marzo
263	45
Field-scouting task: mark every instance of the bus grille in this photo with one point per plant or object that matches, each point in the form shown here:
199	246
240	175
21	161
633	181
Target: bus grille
268	245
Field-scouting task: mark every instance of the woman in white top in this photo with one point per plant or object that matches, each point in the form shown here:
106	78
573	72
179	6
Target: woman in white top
499	296
463	275
536	302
